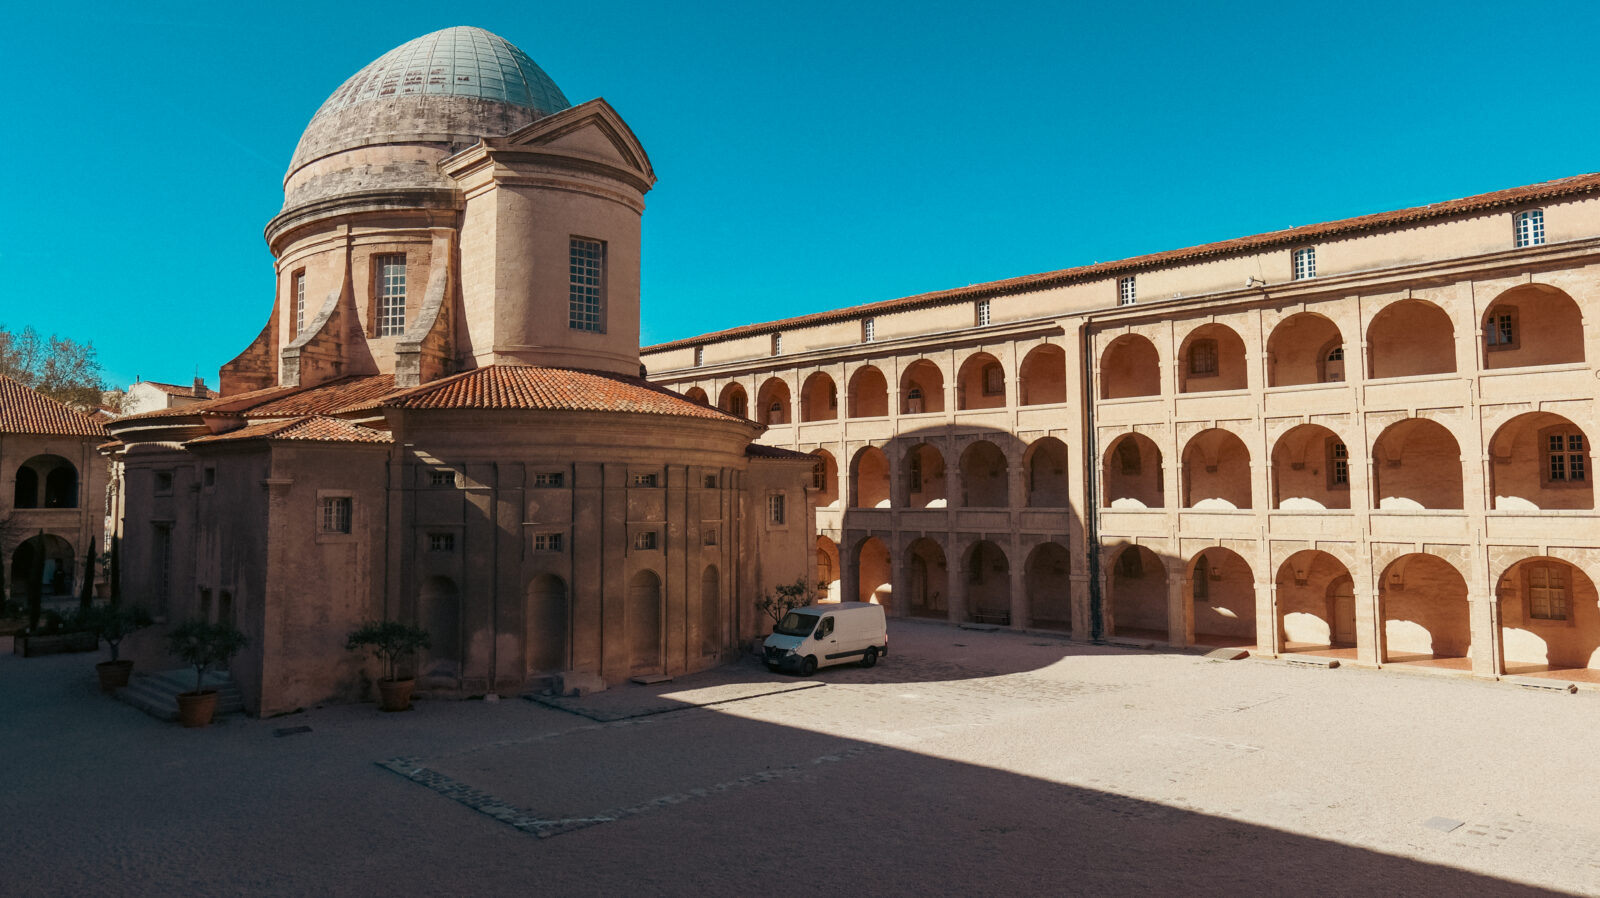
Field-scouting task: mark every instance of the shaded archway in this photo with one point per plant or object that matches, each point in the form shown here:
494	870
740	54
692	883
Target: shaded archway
1305	348
46	481
1047	578
697	395
1422	600
1216	471
825	479
1137	604
1132	473
1540	460
869	393
1416	464
819	398
644	623
827	570
981	383
1549	617
869	479
548	623
1045	463
439	603
1310	469
873	572
25	493
773	401
1130	367
46	560
1316	604
1212	359
988	575
984	483
922	473
710	611
1409	338
1042	379
1534	324
928	578
1222	598
922	388
734	401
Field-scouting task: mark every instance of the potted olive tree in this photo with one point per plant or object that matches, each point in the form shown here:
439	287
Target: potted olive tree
114	623
201	644
389	641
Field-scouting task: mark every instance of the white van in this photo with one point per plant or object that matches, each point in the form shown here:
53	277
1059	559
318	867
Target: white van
832	633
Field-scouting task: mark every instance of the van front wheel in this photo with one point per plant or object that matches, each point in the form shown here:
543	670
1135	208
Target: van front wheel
870	658
808	666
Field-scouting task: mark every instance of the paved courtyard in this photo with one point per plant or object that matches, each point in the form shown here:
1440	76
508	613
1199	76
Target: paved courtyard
967	763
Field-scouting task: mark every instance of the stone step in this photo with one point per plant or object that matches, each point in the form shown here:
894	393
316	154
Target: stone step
157	694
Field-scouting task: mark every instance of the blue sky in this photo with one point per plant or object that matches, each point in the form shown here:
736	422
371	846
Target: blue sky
810	157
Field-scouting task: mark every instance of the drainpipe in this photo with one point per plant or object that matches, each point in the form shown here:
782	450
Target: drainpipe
1091	492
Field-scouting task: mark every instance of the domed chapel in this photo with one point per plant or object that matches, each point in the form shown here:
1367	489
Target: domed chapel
444	419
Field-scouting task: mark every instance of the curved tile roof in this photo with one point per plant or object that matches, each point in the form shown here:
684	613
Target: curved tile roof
552	389
25	410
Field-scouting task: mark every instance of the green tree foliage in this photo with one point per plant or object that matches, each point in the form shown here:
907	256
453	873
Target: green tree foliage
65	370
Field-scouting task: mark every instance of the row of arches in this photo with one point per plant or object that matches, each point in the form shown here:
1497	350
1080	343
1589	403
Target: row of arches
983	477
980	384
46	559
45	481
1537	460
1533	324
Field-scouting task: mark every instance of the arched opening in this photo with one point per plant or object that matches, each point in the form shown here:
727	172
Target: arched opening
981	383
1316	605
1423	601
1216	471
1130	367
44	561
1137	606
873	572
819	398
26	494
773	400
928	578
827	570
869	393
440	604
697	395
1540	460
1046	465
1533	324
922	388
1212	359
1549	617
1311	468
1409	338
869	479
988	575
984	483
644	624
1305	348
825	479
1416	464
734	401
1042	380
1048	581
922	472
1222	597
1132	473
46	481
710	611
548	623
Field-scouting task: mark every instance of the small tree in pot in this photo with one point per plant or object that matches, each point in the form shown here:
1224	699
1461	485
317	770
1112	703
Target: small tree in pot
389	641
201	644
114	624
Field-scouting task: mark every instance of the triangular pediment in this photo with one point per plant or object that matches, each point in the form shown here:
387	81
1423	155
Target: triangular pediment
592	130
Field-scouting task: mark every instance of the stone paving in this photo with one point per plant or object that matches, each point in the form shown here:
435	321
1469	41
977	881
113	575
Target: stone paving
964	764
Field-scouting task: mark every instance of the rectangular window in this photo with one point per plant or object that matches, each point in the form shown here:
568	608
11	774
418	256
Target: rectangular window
336	514
709	535
1127	291
550	479
1547	592
163	482
711	481
1530	228
983	313
1340	469
1566	458
644	539
994	380
914	471
1203	358
586	285
645	479
775	509
547	542
1500	331
441	478
299	302
869	330
211	476
699	356
391	281
1305	263
441	542
777	344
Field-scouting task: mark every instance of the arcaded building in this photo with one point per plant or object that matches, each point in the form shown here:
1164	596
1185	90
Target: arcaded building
1369	439
443	419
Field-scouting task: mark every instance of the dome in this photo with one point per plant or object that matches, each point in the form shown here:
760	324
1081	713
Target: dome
440	92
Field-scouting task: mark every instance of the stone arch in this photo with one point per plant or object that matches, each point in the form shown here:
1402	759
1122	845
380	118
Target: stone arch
548	622
1129	367
869	479
710	610
1549	617
988	575
1216	471
1221	591
46	560
1045	464
873	573
1132	473
1534	324
923	475
772	401
644	623
927	578
440	603
1540	460
827	569
922	388
734	400
1311	468
869	393
1042	379
1316	604
1047	577
984	480
1422	600
1408	338
25	493
46	481
1416	464
825	479
819	398
1137	604
1212	358
1299	350
697	395
981	383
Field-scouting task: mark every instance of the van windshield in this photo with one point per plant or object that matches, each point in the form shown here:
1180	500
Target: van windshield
796	624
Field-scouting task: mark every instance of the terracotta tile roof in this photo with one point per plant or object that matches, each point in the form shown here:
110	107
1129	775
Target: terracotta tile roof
285	402
223	405
310	428
555	389
1562	187
23	410
760	450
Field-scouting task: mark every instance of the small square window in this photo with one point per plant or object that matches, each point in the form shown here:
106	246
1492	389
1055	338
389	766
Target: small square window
549	479
163	482
711	481
869	330
644	539
441	542
982	313
1127	291
650	479
441	478
1305	263
1530	228
336	513
547	542
775	508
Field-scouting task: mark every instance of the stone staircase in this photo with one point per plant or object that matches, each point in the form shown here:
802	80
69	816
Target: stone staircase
157	694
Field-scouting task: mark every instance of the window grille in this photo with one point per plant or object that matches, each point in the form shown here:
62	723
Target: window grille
699	356
1530	228
1547	592
1203	358
1501	330
299	302
1566	457
550	479
983	313
547	542
645	540
391	272
336	514
869	330
775	508
441	542
711	481
1305	263
709	536
644	479
777	344
1127	291
586	284
441	478
1341	465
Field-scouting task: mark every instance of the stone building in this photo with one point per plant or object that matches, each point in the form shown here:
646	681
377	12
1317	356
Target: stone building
444	420
1367	438
149	395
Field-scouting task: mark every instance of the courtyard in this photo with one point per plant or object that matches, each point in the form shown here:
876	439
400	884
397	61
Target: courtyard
967	763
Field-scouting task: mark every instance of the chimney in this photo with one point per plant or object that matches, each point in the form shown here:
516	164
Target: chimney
200	388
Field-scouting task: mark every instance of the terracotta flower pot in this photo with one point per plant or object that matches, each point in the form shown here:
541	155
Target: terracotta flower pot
113	675
395	695
195	709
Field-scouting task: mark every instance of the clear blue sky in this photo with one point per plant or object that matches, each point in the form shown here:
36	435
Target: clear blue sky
811	156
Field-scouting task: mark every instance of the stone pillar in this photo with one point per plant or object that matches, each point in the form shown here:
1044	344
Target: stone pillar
1268	636
1369	622
850	566
956	567
1483	611
1180	623
1021	613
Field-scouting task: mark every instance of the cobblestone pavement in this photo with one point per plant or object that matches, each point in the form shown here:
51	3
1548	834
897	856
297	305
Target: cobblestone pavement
965	764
